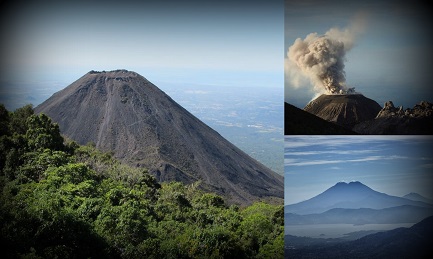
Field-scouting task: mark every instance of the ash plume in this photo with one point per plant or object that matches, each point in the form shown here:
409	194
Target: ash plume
320	58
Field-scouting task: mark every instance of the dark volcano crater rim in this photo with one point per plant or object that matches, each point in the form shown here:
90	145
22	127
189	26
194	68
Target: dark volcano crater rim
111	71
337	98
118	73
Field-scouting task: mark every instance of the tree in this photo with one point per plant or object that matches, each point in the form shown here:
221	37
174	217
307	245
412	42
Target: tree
18	119
74	201
4	121
35	163
42	133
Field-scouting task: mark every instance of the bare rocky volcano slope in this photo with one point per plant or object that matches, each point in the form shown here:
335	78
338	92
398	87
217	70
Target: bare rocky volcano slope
345	110
123	112
393	120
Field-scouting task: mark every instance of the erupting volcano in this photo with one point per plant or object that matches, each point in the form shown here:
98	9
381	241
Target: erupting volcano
346	110
321	59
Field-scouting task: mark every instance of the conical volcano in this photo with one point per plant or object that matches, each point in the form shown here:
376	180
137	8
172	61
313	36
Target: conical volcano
344	109
122	112
353	195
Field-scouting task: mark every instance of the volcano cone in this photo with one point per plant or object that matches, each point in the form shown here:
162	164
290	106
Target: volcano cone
345	110
122	112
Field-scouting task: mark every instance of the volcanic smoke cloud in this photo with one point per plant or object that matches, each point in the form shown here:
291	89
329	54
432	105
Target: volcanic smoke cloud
321	58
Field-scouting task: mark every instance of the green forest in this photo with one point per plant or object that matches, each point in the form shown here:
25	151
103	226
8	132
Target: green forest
64	200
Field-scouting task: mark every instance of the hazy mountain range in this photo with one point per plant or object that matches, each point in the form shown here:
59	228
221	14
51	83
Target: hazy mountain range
353	195
413	242
417	197
356	203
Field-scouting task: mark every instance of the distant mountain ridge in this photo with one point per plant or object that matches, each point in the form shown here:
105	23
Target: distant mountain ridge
398	214
121	111
417	197
413	242
399	121
353	195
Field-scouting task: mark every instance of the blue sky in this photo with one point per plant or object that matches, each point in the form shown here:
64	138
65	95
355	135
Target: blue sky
396	165
391	57
46	45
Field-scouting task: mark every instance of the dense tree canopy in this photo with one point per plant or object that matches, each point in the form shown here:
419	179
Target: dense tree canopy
68	201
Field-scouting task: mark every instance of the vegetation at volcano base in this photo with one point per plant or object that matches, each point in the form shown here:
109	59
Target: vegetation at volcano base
62	200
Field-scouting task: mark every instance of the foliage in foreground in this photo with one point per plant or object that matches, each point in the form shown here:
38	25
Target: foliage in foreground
69	201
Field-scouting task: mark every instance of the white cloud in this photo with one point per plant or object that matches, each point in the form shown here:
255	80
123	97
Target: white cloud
336	141
337	152
297	162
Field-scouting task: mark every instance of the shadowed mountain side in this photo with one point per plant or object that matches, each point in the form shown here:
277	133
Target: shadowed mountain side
400	214
345	110
395	126
122	112
393	120
300	122
353	195
413	242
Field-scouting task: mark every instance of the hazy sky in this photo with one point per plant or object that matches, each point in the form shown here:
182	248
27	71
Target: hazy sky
47	45
391	57
396	165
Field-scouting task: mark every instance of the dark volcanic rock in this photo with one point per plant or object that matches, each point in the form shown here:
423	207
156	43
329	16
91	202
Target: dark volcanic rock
392	120
121	111
345	110
300	122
